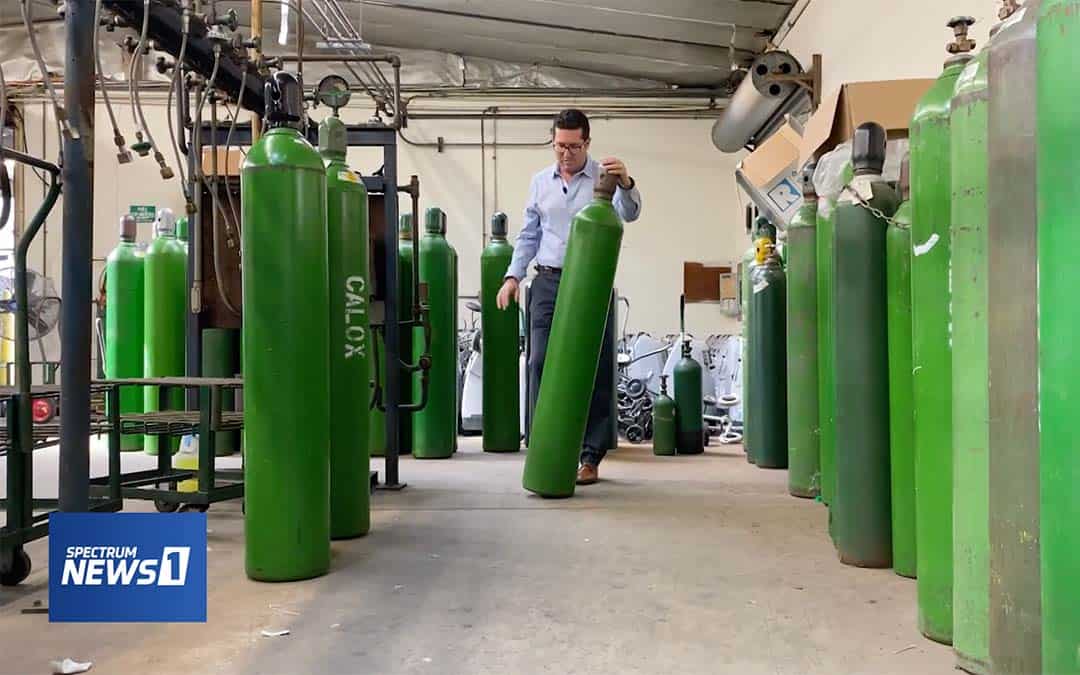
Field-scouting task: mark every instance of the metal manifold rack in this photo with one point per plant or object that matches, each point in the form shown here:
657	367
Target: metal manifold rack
46	424
176	422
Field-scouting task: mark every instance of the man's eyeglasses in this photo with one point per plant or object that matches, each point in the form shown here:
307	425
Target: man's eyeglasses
572	148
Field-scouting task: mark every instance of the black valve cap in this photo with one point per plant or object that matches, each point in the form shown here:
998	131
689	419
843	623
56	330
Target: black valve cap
868	149
284	100
498	224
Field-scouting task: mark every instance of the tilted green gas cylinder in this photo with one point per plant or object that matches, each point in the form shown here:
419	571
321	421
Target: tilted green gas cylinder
861	510
164	316
931	213
286	347
663	415
125	293
901	419
435	426
499	346
350	369
573	354
804	457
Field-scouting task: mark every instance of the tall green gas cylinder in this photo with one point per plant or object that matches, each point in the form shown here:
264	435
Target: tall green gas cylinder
221	358
1016	623
826	368
124	292
435	426
350	358
761	228
499	346
970	397
164	315
861	510
573	354
901	420
1059	369
455	403
931	212
748	262
286	347
376	417
406	232
663	416
689	423
768	384
804	458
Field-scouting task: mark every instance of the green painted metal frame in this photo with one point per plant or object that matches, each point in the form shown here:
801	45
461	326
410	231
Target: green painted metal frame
211	421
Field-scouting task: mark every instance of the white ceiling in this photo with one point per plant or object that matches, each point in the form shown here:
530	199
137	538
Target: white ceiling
594	43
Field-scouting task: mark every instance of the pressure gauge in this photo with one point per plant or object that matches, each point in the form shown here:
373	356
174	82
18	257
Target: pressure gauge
333	91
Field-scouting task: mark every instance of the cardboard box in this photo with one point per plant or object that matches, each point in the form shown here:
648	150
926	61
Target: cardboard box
768	175
708	283
890	103
228	163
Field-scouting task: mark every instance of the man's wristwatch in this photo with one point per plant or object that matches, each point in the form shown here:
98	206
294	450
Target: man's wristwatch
632	184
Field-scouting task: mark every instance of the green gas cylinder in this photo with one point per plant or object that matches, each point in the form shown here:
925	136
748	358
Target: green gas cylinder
350	358
1016	622
182	230
455	402
663	416
164	314
901	421
747	271
826	372
573	354
689	423
435	426
376	417
861	508
406	231
221	358
286	343
970	397
804	458
1059	369
931	212
124	292
768	385
499	346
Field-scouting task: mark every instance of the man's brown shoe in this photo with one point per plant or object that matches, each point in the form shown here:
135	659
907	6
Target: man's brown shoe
587	475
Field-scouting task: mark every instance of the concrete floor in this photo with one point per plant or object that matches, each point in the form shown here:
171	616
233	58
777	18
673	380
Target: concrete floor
669	565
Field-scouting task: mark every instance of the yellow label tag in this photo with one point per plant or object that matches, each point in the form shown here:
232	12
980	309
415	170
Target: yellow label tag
349	176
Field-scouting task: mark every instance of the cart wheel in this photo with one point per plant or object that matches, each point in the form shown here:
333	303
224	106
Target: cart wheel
194	508
20	569
165	507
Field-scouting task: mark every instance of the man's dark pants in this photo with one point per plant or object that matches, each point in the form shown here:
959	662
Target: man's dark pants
542	295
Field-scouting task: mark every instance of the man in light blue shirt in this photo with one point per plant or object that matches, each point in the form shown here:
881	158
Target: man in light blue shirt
555	196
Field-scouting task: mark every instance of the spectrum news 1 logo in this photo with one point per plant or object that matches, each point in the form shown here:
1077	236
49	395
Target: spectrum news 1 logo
121	567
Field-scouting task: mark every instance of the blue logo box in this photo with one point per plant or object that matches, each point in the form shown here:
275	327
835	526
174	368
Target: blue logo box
127	567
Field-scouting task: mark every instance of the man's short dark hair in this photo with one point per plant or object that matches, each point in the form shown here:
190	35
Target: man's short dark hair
572	118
